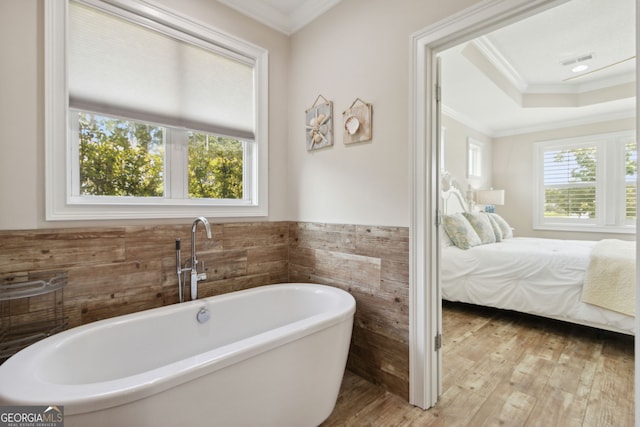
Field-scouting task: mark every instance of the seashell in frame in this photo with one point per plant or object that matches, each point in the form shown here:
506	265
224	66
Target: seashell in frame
351	125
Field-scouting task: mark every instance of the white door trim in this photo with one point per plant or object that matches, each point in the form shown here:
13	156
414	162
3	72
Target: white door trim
424	291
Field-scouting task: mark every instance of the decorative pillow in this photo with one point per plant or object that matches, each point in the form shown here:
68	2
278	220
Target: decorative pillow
445	240
496	228
480	222
460	231
507	232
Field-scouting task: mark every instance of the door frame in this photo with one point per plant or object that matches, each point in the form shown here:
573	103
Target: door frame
425	361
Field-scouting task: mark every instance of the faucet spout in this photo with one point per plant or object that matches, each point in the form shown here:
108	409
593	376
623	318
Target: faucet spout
204	222
194	259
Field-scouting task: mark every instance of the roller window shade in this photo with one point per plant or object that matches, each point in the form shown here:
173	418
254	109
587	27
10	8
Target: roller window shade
156	74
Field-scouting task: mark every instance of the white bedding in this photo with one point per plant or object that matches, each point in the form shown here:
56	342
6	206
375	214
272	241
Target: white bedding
530	275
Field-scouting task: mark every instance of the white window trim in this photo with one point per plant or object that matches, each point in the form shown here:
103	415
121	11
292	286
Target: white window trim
474	170
608	220
58	173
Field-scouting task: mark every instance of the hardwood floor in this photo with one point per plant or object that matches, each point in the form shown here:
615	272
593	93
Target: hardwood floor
508	369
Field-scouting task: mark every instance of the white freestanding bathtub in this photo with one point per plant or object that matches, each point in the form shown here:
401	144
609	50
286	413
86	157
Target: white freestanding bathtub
269	356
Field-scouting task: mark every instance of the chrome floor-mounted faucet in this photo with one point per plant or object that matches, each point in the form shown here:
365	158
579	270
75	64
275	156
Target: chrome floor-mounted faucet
192	266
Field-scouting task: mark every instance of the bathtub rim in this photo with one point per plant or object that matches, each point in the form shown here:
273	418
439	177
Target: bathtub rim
83	398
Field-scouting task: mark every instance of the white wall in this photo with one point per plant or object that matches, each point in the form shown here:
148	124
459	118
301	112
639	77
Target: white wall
358	49
513	171
21	110
455	157
21	107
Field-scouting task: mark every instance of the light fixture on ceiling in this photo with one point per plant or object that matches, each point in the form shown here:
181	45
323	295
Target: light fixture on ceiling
578	63
579	68
631	58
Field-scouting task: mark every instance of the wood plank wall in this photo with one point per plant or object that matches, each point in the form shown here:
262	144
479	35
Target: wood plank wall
120	270
372	263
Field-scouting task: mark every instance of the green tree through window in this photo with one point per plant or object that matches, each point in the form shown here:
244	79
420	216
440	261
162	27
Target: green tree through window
215	167
631	165
570	181
125	158
120	157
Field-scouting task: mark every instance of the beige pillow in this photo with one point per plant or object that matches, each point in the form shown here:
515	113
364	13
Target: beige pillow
482	225
460	231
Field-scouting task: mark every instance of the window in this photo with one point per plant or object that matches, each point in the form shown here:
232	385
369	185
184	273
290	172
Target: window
152	115
474	158
587	183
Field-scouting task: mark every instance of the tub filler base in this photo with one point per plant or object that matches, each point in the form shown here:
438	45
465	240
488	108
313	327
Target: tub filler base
284	368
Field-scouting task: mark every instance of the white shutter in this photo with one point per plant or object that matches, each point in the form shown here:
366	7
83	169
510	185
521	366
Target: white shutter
631	155
570	188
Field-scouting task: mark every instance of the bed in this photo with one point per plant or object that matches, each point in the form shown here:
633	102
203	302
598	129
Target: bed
544	277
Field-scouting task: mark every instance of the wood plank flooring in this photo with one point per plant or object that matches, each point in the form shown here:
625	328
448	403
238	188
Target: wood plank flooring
508	369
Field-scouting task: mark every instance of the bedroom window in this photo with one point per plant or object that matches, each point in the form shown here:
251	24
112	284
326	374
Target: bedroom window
474	158
151	115
587	184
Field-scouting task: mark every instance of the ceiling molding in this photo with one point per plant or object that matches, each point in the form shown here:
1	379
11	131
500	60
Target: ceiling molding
565	124
479	59
492	133
495	57
483	55
467	121
579	99
261	12
284	22
586	87
309	11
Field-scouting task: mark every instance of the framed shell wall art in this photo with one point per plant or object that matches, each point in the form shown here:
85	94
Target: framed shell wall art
357	122
319	124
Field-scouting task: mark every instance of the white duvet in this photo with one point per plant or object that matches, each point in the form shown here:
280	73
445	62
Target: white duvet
531	275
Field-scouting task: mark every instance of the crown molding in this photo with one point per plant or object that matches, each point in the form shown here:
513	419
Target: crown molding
565	124
504	67
467	121
286	23
495	57
541	127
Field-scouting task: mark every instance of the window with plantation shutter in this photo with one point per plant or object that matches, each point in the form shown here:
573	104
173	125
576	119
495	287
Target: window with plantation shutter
631	175
586	184
570	183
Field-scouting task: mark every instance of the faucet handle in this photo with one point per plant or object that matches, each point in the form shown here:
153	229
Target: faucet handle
203	275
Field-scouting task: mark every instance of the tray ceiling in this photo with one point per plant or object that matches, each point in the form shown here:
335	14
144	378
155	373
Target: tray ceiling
519	78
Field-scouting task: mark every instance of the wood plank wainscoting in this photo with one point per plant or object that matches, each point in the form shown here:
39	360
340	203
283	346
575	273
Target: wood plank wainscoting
119	270
372	263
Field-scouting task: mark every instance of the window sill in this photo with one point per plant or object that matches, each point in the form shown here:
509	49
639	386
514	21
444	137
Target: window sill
111	212
587	228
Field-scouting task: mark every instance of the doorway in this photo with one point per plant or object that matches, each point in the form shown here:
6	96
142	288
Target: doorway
425	320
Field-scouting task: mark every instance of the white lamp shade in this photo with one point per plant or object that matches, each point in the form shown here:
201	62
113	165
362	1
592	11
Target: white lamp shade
490	197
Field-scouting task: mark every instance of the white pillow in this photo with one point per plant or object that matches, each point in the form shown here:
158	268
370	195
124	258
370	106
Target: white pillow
507	232
496	228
